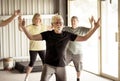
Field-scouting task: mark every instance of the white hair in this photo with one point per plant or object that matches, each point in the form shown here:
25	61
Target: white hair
56	17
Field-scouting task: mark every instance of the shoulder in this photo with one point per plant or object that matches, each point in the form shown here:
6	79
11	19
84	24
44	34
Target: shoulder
83	30
47	32
66	28
82	27
30	25
43	25
67	32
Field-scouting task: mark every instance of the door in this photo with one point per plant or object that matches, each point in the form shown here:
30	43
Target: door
84	9
109	59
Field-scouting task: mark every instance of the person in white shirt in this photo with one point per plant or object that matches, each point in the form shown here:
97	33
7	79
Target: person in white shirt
35	47
74	49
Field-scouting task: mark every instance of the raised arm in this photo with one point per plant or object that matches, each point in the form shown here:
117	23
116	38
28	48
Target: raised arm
19	22
31	37
91	20
88	35
7	21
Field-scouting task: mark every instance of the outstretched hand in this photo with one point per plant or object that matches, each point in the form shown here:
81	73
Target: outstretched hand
94	23
20	19
17	12
21	23
97	23
91	20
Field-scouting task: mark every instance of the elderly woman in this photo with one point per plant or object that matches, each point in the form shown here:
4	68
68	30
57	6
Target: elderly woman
36	47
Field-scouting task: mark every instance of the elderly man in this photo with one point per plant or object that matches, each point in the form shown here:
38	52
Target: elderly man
74	50
56	42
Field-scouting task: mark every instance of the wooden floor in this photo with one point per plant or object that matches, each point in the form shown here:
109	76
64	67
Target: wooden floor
35	76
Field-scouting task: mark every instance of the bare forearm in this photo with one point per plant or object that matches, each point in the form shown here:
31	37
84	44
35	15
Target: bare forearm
87	36
90	33
27	33
32	37
7	21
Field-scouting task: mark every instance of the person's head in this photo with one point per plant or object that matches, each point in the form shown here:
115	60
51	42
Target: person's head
36	20
57	23
74	21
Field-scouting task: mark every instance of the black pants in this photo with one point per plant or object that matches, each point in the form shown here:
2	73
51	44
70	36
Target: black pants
33	56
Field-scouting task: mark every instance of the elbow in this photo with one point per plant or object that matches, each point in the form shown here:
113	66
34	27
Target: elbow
84	38
81	38
30	37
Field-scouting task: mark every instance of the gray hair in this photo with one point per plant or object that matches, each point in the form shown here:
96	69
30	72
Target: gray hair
75	17
55	17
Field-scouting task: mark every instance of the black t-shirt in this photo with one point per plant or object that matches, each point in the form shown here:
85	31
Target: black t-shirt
55	47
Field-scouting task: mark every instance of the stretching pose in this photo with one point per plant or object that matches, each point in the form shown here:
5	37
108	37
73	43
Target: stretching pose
74	52
56	42
36	47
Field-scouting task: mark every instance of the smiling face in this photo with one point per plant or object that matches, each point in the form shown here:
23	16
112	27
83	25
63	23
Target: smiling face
74	22
36	19
57	23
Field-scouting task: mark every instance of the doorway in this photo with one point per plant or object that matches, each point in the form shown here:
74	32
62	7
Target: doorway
101	50
84	9
109	61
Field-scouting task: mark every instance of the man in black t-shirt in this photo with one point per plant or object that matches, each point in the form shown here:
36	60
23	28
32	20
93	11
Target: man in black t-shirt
56	42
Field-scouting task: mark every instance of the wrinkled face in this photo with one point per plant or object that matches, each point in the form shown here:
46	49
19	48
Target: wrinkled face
74	22
57	24
36	20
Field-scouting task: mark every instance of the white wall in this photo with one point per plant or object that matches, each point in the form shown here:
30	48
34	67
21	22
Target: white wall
14	43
